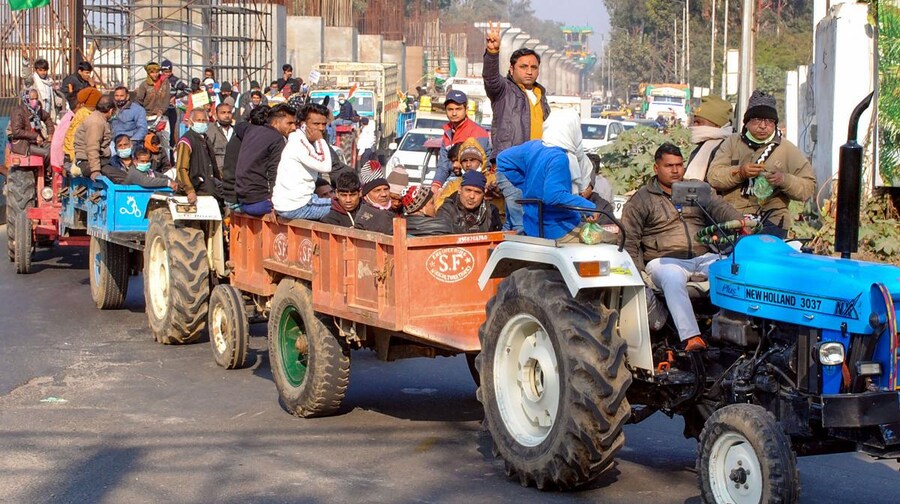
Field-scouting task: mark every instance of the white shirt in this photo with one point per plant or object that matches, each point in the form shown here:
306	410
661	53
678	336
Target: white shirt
531	96
300	165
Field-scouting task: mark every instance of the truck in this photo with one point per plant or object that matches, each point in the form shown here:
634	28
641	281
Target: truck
672	101
382	80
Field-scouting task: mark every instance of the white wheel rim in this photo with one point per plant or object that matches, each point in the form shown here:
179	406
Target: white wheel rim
735	474
219	328
158	278
526	380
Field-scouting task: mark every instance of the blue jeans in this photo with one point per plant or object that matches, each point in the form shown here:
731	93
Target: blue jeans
314	210
257	209
514	210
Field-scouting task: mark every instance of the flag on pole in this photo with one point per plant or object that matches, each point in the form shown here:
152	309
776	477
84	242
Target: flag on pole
453	68
27	4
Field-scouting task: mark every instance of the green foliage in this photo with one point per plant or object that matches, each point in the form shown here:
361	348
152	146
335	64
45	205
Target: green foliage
889	93
628	162
879	230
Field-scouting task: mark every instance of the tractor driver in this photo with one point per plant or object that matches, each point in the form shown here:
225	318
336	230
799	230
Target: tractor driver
661	241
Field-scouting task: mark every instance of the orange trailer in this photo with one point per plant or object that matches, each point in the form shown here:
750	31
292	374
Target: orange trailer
327	288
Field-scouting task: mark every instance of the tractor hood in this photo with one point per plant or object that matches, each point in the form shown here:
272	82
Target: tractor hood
775	282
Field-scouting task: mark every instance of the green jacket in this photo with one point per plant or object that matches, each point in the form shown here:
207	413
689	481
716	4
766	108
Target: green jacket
799	179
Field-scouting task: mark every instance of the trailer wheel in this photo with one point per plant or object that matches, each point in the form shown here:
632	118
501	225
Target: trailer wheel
745	457
176	280
553	381
109	272
310	363
20	192
228	327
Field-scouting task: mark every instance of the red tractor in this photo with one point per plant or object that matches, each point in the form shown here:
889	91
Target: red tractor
32	209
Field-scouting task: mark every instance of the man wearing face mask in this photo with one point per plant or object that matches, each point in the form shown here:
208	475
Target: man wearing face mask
92	140
258	159
303	159
346	114
30	127
221	132
757	170
195	164
711	125
130	118
125	168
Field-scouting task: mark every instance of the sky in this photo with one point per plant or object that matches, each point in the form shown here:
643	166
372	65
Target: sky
576	12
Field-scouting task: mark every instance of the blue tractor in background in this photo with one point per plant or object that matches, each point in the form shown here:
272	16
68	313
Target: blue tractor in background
802	358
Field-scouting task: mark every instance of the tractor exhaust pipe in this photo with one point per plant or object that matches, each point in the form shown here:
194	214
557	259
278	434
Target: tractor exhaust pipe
846	237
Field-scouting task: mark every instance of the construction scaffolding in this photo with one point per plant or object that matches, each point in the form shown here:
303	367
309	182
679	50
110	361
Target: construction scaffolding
233	37
31	34
333	12
382	17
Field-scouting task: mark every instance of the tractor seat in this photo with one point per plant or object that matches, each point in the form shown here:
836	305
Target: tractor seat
344	128
696	290
13	159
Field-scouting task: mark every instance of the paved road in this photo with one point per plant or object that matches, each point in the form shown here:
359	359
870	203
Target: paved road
147	423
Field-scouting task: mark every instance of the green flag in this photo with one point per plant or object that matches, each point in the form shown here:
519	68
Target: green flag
452	65
27	4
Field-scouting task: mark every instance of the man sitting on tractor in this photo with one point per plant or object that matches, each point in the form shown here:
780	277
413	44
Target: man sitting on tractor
459	128
375	213
346	201
467	211
257	163
124	167
662	240
418	207
195	161
92	140
30	127
303	159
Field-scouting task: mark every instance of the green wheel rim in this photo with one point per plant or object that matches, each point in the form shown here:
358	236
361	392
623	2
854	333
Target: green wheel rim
290	329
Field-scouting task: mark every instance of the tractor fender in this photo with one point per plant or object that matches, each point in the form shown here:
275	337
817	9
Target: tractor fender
206	208
517	252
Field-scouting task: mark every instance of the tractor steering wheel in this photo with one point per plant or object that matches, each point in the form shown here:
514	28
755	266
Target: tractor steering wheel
712	236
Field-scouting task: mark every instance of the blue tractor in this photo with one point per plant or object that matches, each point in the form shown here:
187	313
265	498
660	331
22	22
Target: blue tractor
803	357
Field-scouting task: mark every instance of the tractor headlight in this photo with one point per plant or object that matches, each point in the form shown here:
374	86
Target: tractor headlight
831	353
47	193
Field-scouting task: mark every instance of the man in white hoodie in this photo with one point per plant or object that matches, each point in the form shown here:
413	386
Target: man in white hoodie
304	158
711	125
563	129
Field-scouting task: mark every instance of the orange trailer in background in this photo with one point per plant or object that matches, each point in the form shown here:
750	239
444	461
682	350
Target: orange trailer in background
327	288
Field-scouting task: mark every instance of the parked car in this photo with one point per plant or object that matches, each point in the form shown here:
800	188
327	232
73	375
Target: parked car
599	132
411	153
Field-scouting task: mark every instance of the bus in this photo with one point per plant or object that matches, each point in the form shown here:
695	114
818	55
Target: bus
668	100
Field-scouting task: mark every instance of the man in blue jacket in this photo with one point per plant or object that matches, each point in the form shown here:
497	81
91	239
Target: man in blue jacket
542	172
130	118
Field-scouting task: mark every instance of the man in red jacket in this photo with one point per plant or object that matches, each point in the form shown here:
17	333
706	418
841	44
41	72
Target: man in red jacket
458	129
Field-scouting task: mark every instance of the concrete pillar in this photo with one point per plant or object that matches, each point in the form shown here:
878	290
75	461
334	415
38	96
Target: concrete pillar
506	47
279	41
415	66
342	44
531	43
547	69
791	116
305	45
551	79
371	48
394	51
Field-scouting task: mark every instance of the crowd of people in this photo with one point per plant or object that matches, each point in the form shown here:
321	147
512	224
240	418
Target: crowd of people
262	152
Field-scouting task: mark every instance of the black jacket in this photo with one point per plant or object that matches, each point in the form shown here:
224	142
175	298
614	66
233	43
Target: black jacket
232	150
71	85
118	173
257	164
485	218
340	217
370	218
202	170
422	225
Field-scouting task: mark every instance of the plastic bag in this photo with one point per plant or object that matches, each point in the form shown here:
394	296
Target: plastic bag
591	233
762	189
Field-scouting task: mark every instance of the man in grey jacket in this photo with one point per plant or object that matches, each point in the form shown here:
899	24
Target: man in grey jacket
519	105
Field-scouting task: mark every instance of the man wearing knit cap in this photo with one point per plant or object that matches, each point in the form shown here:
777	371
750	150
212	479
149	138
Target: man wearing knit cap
758	171
467	211
375	212
398	180
418	207
711	125
153	93
458	129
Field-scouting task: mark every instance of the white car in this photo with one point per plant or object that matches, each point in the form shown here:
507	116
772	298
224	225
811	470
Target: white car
412	153
596	133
